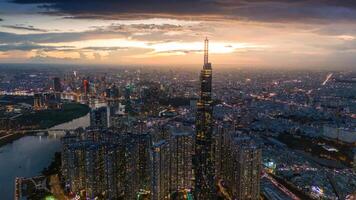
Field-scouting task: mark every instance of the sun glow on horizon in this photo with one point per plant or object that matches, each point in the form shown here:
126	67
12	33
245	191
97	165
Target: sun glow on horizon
156	49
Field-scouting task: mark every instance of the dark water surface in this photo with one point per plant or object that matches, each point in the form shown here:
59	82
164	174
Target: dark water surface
27	156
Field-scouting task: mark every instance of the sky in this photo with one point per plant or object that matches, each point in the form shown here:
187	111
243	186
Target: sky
250	33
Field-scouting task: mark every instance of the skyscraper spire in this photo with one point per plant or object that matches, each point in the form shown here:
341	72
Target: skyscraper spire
207	65
206	51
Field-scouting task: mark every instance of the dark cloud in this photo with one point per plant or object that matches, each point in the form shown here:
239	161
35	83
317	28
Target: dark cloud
42	58
340	47
39	38
151	32
105	48
336	29
181	51
137	27
22	27
6	37
28	46
257	10
19	46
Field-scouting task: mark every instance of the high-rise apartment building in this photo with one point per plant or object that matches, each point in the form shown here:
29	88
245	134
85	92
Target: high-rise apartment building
160	170
246	169
222	152
37	101
57	87
99	117
181	145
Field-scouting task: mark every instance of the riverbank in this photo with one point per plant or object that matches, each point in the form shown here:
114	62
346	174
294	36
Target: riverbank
45	120
48	118
9	138
314	149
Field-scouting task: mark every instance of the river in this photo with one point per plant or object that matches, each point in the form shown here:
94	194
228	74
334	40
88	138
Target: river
29	155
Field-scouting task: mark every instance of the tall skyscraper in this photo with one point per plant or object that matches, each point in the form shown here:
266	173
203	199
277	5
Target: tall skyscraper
137	174
160	170
221	137
94	170
99	118
246	169
57	87
128	106
37	101
181	151
86	87
203	162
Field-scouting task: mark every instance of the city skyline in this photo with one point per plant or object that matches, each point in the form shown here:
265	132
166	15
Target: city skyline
177	99
156	134
269	33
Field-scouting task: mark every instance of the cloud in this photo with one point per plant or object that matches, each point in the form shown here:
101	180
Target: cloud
28	46
105	48
255	10
53	60
336	29
23	27
97	56
146	32
145	27
179	51
283	30
6	37
345	45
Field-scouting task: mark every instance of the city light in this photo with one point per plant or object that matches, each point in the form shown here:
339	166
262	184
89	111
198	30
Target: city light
178	100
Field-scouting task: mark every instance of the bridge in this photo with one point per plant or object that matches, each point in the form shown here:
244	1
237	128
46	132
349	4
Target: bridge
8	136
46	130
33	131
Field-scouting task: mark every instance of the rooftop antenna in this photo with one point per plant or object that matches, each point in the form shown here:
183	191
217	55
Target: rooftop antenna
206	51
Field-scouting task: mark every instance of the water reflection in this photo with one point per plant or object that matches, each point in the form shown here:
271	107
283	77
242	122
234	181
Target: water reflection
28	155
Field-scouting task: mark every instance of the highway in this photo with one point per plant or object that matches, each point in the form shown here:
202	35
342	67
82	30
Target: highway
275	190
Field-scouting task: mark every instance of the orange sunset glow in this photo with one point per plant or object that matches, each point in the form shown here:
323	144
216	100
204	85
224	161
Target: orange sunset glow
242	33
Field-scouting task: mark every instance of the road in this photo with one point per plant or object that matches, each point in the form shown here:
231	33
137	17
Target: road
56	188
271	191
280	187
223	190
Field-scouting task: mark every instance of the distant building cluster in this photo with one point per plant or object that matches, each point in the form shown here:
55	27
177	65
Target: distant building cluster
43	101
49	100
